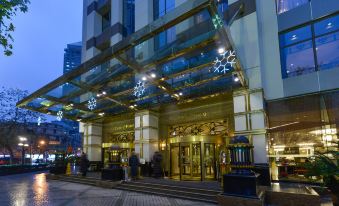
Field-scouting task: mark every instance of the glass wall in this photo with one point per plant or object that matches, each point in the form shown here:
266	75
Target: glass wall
286	5
310	48
128	17
299	128
162	7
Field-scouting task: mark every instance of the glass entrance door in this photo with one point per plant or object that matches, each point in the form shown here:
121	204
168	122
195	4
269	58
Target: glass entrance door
175	161
209	161
185	161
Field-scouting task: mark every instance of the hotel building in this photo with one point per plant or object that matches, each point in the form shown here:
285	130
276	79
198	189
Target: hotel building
185	76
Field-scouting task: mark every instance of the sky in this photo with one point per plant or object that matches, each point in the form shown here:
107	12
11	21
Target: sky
40	37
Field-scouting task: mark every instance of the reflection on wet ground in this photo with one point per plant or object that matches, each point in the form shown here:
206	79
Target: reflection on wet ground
33	189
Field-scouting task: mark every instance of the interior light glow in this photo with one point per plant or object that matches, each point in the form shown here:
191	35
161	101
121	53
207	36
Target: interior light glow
153	75
144	78
221	50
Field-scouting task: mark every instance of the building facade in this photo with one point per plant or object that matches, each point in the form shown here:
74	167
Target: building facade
72	56
184	77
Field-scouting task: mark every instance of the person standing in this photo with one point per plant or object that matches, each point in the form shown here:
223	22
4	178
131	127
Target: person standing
84	164
134	163
157	169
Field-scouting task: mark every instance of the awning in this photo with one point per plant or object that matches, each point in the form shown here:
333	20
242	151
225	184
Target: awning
142	72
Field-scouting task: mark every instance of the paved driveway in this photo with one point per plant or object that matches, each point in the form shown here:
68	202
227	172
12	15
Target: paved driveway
33	189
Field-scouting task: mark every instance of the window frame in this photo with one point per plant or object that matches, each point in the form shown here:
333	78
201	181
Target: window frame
313	39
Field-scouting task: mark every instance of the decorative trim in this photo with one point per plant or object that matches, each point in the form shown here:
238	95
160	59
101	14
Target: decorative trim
206	128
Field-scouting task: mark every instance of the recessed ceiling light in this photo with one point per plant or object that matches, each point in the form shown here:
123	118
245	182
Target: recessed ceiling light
221	50
236	79
144	78
104	93
153	75
180	94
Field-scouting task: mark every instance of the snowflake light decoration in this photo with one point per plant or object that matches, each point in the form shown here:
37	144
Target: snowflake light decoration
139	89
217	21
60	114
92	103
222	65
39	121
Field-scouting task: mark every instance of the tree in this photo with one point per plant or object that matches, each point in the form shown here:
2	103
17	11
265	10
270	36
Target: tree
14	121
8	9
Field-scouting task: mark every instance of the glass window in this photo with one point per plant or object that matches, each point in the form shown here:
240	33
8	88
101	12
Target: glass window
161	7
295	36
286	5
328	51
326	26
128	17
222	5
106	20
298	59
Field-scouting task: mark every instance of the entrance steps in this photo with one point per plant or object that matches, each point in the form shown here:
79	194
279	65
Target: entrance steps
84	180
175	191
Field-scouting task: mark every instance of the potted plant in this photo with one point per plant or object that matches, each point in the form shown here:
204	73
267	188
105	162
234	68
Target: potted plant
324	166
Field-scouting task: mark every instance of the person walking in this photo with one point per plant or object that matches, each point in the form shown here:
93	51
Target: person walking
84	164
157	160
134	163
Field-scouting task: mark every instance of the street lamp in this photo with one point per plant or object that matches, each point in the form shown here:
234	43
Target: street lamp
22	139
22	145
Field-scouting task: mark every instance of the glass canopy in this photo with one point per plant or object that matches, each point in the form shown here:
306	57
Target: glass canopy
149	69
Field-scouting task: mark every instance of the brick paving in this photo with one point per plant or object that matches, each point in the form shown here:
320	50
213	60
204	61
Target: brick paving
33	190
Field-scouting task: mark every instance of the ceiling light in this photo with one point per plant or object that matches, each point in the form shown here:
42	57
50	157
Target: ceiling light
180	94
78	120
153	75
162	79
131	106
144	78
221	50
104	93
135	105
236	79
101	114
98	95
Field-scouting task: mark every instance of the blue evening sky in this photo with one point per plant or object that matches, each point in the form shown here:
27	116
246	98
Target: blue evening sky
40	38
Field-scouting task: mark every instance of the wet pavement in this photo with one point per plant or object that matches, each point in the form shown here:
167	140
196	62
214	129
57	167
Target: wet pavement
33	189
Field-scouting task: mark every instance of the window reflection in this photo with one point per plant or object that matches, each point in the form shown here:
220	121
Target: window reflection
326	26
286	5
295	36
297	48
328	51
298	59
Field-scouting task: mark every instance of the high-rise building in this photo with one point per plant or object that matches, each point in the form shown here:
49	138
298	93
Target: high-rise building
184	77
72	56
72	59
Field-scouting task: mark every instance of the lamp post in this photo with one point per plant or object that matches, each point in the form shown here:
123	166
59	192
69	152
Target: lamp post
42	148
22	144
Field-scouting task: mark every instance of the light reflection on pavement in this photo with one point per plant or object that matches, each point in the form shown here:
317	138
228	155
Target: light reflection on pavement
33	189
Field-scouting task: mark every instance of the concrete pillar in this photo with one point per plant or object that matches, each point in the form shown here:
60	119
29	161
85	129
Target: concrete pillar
250	121
92	140
146	135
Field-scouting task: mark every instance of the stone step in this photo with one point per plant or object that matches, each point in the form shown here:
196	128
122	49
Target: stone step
171	191
84	180
174	187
